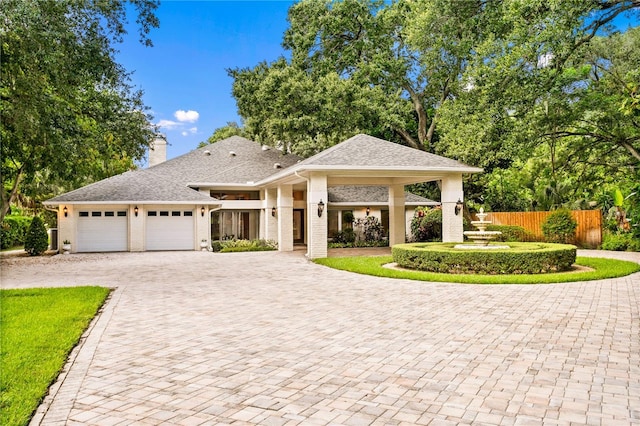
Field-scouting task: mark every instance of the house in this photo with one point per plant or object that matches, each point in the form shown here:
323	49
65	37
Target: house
237	188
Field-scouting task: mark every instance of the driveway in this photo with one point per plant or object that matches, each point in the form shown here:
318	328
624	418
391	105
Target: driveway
191	338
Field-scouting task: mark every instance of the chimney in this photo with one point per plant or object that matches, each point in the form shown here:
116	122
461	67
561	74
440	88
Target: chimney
158	150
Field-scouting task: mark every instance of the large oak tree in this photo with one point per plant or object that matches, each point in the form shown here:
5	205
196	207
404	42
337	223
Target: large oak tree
69	113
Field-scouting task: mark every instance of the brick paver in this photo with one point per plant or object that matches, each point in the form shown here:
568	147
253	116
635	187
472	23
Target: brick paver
269	338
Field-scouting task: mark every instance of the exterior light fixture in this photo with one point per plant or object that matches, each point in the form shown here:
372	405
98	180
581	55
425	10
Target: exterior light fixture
459	206
273	211
66	211
202	211
368	211
135	211
320	208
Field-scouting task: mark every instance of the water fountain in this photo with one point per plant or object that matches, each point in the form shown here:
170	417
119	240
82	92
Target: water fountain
481	237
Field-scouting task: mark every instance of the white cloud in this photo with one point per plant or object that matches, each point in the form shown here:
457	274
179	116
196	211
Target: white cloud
167	124
187	116
192	131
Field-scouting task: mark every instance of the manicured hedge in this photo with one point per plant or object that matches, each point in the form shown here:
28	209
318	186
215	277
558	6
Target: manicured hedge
14	230
520	258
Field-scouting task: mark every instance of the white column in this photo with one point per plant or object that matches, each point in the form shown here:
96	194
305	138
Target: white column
452	224
285	218
317	233
202	226
67	226
136	227
397	225
271	222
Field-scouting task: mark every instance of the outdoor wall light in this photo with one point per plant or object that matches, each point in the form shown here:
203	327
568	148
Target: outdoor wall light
320	208
273	211
135	211
202	211
459	206
368	211
66	211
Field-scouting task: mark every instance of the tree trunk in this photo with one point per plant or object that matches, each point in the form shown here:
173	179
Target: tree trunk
6	202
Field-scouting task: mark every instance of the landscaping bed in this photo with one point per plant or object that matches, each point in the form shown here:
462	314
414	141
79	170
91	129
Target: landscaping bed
519	258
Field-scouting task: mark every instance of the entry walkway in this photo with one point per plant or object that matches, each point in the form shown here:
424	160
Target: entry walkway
269	338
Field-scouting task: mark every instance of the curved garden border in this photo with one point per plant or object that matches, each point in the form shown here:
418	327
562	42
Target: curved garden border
374	265
519	258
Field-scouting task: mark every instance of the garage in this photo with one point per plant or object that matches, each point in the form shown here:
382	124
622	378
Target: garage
170	230
102	230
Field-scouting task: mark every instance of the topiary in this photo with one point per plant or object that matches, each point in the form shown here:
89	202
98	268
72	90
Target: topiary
37	240
560	227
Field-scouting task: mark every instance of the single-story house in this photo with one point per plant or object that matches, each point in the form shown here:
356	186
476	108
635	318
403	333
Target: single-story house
237	188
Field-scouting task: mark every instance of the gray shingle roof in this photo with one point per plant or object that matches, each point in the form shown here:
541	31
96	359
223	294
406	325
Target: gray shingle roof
239	161
368	151
250	163
370	194
134	186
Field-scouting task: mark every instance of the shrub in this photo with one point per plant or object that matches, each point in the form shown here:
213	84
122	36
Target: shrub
512	233
346	236
230	246
37	240
620	241
216	246
520	258
427	227
371	228
14	230
560	227
348	218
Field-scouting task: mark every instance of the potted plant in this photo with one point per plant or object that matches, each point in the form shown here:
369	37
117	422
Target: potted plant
66	247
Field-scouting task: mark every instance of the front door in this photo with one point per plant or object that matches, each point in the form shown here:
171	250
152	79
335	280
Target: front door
298	226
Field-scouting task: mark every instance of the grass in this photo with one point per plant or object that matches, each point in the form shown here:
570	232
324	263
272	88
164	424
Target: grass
39	329
372	265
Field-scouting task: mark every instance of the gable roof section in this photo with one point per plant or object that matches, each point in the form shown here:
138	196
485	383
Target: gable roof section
234	160
370	152
138	186
360	194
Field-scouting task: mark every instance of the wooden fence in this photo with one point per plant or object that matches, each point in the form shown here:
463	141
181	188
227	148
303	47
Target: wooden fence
588	233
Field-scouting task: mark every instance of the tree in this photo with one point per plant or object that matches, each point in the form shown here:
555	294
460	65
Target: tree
36	240
527	75
352	59
69	113
231	129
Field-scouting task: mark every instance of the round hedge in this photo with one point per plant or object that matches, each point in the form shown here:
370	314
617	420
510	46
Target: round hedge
520	258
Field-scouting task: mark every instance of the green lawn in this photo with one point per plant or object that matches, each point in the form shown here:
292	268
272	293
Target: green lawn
372	265
39	327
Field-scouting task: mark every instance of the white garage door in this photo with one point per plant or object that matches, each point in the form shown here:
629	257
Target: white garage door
170	230
104	230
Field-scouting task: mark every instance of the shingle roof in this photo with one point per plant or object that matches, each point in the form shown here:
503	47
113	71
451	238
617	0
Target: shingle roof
368	151
239	161
215	163
370	194
134	186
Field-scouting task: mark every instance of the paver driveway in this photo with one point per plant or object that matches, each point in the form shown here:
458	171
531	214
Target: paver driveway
270	338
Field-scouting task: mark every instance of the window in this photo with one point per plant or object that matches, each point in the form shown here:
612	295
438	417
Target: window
96	214
122	214
188	213
109	214
164	213
175	213
84	214
152	213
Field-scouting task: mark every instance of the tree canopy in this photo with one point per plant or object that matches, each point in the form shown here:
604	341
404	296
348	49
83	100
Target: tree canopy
69	113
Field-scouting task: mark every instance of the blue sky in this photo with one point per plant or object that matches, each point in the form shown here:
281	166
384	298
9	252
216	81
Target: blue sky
183	76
